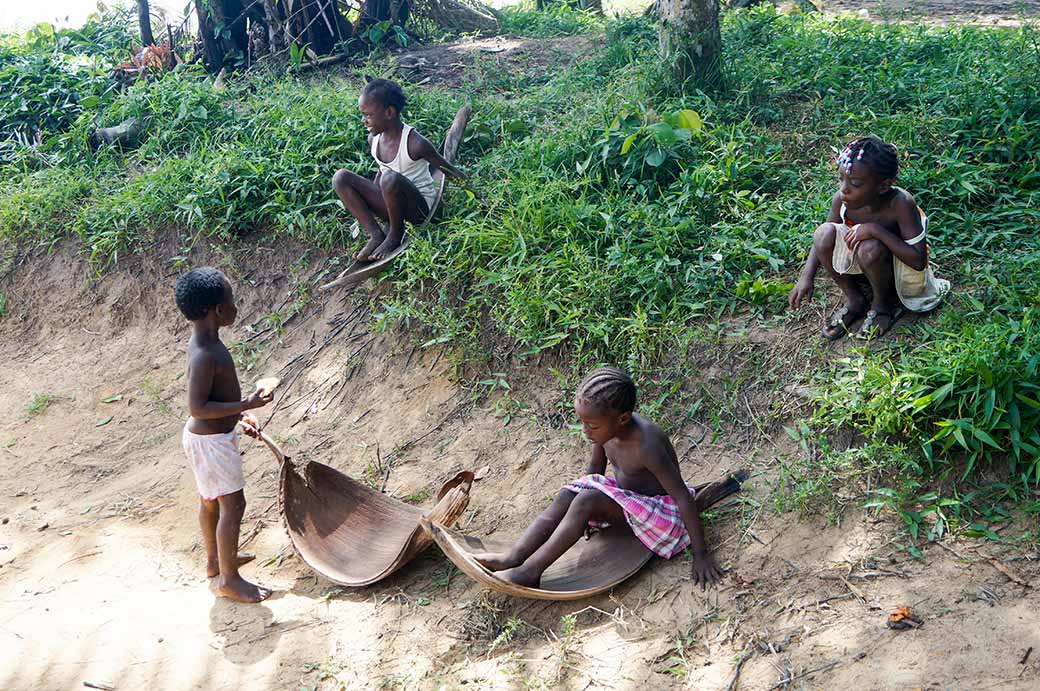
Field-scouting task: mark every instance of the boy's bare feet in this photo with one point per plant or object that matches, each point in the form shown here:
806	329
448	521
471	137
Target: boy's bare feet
241	590
365	253
213	566
496	561
389	245
520	576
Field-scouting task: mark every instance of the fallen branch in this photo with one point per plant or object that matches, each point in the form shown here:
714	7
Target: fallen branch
788	680
749	650
995	563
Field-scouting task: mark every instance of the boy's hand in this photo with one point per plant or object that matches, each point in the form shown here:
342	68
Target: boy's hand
250	425
802	291
705	570
259	400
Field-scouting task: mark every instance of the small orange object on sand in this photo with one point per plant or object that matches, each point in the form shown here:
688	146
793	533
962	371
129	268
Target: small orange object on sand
903	618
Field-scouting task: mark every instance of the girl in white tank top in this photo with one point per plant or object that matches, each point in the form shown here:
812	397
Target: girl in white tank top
404	188
418	171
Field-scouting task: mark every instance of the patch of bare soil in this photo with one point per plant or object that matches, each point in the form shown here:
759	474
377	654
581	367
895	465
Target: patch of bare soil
101	570
987	12
443	63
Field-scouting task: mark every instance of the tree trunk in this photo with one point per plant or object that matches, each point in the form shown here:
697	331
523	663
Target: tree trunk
593	6
375	11
144	18
215	47
690	39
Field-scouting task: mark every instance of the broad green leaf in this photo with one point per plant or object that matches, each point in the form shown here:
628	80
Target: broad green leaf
655	157
113	398
984	436
663	133
689	120
626	145
102	423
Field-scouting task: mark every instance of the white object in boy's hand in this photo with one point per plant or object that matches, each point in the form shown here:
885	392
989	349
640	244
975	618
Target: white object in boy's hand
267	386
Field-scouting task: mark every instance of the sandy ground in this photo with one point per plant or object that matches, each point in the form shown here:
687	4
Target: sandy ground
101	570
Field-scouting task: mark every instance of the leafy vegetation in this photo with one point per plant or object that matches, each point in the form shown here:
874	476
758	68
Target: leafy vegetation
39	403
631	223
49	78
559	19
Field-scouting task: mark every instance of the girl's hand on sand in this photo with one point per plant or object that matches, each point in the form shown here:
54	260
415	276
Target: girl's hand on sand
250	425
801	292
705	571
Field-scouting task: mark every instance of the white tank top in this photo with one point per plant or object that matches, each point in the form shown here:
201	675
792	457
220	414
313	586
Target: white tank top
416	171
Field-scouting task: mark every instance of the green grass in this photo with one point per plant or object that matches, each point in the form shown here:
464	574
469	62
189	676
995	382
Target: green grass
419	496
648	223
556	20
39	403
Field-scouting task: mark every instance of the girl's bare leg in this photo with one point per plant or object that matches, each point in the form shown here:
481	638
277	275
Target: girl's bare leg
209	516
876	261
823	240
363	199
532	538
403	203
589	504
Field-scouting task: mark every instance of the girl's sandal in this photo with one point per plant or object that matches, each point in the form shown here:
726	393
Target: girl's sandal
839	323
870	328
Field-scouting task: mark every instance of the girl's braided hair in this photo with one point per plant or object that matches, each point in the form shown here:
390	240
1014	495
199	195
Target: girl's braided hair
386	93
880	157
608	388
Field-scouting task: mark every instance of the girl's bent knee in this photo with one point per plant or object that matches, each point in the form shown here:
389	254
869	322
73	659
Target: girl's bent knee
389	181
872	252
341	179
586	501
824	236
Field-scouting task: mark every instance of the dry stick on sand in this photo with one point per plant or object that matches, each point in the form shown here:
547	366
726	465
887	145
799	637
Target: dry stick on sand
308	359
749	650
789	679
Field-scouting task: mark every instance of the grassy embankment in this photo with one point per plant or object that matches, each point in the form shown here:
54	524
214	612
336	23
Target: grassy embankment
631	218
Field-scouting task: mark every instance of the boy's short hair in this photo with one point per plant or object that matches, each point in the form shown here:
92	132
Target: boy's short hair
199	291
876	154
386	93
608	388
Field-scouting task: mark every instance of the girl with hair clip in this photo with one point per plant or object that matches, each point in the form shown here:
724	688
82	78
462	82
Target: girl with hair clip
872	245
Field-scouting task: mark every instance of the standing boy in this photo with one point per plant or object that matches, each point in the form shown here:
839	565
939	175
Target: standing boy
210	438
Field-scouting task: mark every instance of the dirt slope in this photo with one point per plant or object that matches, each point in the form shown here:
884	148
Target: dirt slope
101	569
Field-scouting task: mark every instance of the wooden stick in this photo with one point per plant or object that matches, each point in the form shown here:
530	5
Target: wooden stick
821	668
748	652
